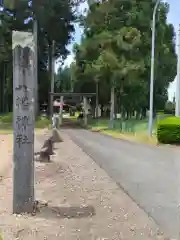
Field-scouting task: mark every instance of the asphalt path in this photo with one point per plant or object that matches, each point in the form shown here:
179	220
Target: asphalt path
150	175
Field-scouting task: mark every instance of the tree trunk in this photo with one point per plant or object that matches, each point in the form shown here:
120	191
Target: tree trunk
5	89
144	112
112	106
97	98
50	74
52	67
115	106
4	82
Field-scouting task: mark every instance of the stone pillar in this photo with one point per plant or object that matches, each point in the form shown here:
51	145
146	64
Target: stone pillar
23	122
85	110
61	110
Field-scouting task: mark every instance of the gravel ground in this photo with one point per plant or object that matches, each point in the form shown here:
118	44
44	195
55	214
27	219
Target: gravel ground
83	203
6	153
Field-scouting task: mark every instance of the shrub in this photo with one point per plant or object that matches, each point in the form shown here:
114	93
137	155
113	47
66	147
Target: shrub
168	130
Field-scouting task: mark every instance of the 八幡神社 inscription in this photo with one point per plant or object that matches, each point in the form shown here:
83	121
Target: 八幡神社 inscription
23	121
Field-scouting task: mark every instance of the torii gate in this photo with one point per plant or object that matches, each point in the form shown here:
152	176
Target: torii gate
71	94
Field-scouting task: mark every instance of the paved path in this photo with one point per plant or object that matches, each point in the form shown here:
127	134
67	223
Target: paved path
150	175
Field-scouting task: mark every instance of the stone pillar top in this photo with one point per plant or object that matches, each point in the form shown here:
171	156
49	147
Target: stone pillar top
23	39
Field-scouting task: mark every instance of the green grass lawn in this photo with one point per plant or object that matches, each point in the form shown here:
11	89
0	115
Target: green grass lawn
130	126
131	129
6	126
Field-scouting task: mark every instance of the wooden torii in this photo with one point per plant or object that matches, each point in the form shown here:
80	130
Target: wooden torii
71	94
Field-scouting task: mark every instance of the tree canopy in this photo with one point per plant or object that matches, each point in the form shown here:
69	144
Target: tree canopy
115	53
55	23
112	59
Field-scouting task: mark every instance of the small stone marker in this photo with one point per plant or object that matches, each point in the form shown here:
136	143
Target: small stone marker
56	136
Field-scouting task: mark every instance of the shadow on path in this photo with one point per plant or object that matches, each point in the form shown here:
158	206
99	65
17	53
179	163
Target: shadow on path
66	212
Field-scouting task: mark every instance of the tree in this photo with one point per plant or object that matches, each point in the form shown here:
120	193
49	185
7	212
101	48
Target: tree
63	80
116	48
5	63
57	13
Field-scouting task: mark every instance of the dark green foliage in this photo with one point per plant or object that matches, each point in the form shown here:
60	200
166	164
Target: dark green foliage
63	80
116	49
168	131
55	23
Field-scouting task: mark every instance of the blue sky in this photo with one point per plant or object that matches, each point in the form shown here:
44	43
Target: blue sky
172	18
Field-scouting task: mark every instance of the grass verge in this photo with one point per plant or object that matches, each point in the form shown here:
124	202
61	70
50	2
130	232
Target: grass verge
7	128
141	138
131	130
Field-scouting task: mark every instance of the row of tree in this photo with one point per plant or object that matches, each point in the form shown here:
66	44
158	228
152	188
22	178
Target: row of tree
114	55
55	21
